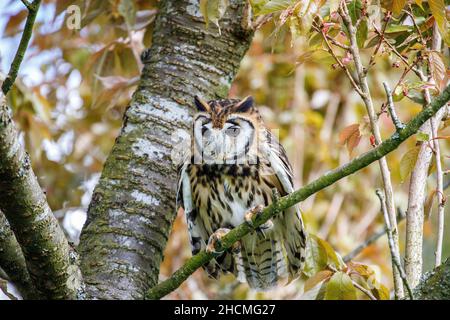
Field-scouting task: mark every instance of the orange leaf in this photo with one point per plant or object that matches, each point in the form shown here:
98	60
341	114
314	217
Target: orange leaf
350	136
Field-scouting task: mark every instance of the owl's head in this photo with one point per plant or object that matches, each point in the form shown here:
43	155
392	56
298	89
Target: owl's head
225	131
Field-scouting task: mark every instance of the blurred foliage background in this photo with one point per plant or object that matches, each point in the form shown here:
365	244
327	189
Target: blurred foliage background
74	86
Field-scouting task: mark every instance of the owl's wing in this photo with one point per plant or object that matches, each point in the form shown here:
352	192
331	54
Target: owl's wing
292	229
185	200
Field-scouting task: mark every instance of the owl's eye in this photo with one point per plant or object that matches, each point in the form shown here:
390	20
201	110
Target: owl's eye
233	131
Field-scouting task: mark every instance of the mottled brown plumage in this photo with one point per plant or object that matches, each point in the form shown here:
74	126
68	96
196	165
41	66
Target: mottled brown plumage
233	165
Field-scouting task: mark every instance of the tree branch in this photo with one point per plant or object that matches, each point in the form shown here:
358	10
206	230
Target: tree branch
12	261
373	118
394	254
20	53
285	202
43	243
390	104
417	187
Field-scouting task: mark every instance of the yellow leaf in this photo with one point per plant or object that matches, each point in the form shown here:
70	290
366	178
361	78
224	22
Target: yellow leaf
397	6
408	161
437	8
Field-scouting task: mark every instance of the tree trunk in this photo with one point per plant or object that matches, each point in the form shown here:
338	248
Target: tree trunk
133	205
435	285
44	245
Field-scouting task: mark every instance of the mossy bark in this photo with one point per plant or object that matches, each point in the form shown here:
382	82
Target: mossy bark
133	205
12	261
435	285
43	243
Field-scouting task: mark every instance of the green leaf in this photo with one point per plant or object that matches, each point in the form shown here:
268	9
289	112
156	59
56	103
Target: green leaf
273	6
127	10
422	136
340	287
408	161
354	9
320	254
361	33
213	11
316	256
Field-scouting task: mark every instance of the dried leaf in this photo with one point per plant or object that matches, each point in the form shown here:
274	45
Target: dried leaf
350	136
319	277
437	69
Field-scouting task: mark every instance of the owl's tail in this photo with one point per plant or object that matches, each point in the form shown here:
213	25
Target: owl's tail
262	261
294	239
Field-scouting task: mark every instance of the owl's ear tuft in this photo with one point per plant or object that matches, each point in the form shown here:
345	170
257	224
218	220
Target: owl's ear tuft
201	105
244	105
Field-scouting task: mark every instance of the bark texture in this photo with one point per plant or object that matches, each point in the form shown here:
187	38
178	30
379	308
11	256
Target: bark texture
436	284
416	200
12	261
43	243
133	205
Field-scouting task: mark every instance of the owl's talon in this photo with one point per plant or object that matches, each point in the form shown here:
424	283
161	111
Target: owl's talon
215	240
236	247
252	213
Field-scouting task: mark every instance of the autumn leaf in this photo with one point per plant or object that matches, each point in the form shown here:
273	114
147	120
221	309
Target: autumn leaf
437	69
397	6
408	161
320	276
350	136
437	8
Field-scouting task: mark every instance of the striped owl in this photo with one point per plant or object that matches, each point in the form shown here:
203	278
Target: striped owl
232	170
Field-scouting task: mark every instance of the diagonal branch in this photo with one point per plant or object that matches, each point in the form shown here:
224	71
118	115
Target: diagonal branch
301	194
20	53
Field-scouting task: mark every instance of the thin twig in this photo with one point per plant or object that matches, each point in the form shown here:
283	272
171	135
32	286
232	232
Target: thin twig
390	103
364	290
340	63
303	193
381	35
20	53
367	98
377	235
394	254
436	45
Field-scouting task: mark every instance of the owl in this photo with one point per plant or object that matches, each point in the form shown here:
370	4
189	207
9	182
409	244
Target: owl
231	171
